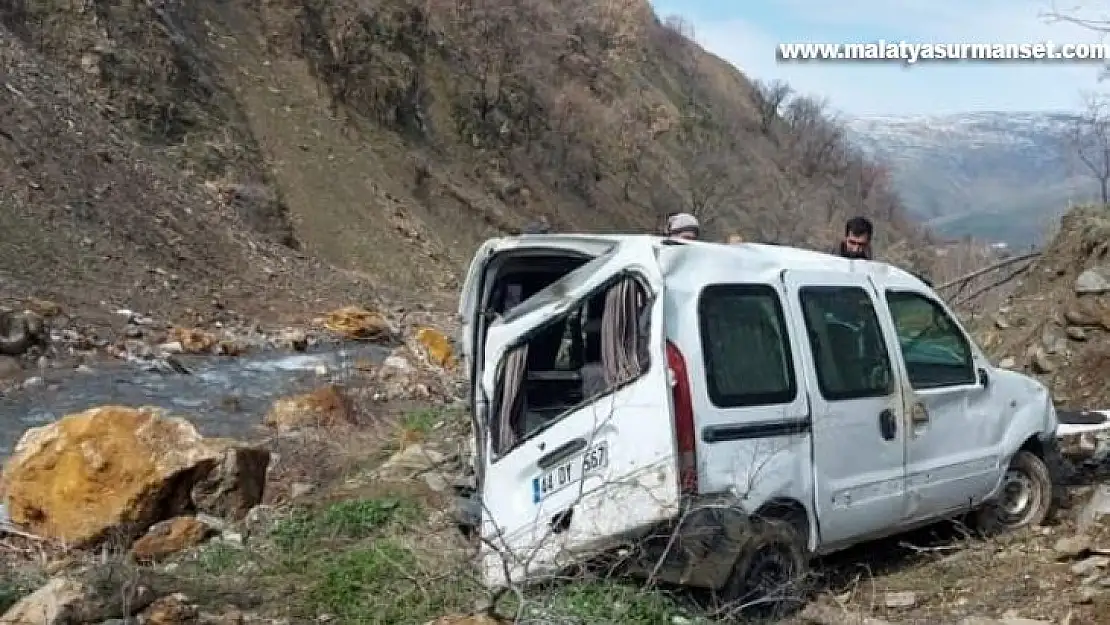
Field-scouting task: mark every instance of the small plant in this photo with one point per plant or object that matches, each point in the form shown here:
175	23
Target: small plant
352	519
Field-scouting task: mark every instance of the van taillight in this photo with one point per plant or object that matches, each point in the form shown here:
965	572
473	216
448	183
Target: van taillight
685	434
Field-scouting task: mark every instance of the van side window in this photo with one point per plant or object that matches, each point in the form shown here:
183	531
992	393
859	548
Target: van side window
598	346
847	343
935	350
745	346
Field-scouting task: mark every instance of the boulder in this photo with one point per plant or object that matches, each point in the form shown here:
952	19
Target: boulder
193	340
354	323
63	601
169	537
115	471
172	609
20	331
437	347
325	407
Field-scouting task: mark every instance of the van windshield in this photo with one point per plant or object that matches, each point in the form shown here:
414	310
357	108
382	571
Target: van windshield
557	290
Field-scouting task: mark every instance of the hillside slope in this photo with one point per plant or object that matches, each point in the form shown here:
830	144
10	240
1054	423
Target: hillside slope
386	137
995	176
1056	323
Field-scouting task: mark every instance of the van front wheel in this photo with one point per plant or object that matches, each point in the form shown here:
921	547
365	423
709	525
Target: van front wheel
1024	499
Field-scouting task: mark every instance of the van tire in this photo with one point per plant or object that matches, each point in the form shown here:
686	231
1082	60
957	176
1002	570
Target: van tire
1027	480
769	578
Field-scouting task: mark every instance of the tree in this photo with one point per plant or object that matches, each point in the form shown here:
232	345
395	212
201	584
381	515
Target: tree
1091	141
817	140
769	98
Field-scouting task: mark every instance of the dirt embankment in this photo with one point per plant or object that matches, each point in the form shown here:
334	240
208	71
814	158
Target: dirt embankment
164	153
1056	324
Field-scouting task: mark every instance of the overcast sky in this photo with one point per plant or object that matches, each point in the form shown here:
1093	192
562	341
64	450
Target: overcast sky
747	34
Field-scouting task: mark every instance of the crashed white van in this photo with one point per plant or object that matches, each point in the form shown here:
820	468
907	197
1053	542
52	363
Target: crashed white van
729	410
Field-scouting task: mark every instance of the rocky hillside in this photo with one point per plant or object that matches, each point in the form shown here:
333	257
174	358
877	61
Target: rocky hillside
995	176
214	150
1056	323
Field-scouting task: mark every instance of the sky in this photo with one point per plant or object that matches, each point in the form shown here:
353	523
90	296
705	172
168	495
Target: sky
747	34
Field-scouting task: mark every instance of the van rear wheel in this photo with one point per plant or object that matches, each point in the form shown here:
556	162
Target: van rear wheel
770	575
1025	498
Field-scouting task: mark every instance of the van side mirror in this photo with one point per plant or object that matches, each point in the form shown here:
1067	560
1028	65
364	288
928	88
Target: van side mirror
984	379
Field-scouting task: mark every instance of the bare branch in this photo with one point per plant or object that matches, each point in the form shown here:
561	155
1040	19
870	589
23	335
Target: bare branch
1090	139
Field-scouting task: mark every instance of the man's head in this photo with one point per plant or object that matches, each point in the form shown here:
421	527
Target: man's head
683	226
857	238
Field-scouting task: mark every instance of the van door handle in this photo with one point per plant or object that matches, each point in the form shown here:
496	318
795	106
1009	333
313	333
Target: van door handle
888	425
562	452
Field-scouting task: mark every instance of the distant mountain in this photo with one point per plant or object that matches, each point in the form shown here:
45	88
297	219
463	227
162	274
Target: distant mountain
998	176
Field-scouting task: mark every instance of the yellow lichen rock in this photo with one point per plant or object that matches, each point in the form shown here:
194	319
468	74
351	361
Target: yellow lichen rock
437	346
354	323
324	407
115	471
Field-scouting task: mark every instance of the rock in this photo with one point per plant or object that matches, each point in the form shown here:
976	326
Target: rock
119	470
1079	318
1041	362
55	603
192	340
20	331
45	308
900	599
10	369
1092	282
1076	334
64	601
1072	546
1007	363
354	323
437	347
169	537
296	340
1096	507
325	407
1089	565
234	485
172	609
172	347
300	489
413	459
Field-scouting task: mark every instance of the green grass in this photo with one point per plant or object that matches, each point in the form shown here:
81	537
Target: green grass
376	561
352	519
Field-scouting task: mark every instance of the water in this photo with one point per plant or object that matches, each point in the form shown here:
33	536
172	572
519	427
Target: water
221	396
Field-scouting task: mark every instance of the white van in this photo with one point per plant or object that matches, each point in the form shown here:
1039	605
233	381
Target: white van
729	410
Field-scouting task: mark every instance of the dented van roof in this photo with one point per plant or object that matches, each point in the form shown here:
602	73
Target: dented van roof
761	258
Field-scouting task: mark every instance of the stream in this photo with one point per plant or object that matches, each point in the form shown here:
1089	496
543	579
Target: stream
222	396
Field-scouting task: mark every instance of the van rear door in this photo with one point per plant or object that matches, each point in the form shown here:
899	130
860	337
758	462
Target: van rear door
560	484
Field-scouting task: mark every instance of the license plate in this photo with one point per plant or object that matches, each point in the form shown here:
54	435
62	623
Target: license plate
570	471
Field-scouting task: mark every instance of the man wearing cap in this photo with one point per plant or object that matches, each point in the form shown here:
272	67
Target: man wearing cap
683	226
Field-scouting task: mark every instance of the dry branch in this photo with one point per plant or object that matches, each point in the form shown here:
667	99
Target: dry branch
989	268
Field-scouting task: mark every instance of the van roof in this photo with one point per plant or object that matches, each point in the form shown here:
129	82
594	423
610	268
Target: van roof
760	257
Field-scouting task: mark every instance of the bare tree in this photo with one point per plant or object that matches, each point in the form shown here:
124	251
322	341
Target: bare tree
711	185
769	98
1091	141
816	139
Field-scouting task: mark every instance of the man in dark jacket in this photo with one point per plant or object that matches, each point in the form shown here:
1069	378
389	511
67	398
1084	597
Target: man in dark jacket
857	239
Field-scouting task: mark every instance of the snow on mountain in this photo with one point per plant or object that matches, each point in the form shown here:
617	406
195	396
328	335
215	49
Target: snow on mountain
963	173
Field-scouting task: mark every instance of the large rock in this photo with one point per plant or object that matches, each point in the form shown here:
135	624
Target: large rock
325	407
169	537
65	601
20	331
354	323
437	347
1092	282
115	471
